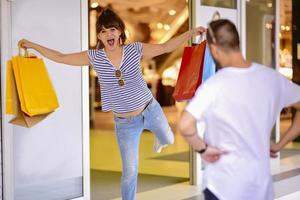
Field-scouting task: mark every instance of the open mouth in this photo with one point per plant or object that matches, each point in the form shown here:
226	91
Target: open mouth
111	42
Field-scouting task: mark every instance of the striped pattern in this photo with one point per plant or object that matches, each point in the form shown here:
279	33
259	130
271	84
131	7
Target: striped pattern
135	93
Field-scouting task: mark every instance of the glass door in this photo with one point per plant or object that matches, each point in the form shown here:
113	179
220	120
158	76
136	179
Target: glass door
51	159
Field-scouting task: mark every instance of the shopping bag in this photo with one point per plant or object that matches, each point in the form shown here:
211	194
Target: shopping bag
35	90
10	102
209	66
190	73
29	93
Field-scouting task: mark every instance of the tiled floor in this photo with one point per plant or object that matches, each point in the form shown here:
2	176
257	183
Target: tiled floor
161	175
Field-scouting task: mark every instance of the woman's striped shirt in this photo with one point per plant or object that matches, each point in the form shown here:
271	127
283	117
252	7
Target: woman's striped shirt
135	93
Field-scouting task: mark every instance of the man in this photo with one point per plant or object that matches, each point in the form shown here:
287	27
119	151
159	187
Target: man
239	106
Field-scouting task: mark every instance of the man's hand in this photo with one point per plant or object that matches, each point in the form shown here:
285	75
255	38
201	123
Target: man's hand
212	154
274	149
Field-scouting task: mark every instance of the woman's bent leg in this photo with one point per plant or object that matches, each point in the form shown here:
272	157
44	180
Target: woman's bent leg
156	121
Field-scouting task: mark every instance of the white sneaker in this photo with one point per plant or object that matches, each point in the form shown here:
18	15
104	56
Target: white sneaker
157	146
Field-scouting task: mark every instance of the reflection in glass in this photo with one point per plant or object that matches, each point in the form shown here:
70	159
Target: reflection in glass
220	3
260	34
48	164
260	31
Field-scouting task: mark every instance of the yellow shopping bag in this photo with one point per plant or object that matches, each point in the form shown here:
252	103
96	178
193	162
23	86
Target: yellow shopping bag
29	93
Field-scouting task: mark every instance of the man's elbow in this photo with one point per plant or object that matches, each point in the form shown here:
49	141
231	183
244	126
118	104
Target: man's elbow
182	126
186	124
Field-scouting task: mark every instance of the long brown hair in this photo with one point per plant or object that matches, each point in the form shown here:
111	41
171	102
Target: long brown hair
109	19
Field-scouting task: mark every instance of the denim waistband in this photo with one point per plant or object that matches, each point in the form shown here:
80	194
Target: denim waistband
150	104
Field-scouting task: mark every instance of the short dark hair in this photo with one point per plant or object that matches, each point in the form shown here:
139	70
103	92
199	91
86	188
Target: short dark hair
109	19
223	33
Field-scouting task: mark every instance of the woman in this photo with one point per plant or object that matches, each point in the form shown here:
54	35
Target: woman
123	89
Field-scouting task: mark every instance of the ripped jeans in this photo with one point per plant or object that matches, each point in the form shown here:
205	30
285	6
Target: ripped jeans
128	132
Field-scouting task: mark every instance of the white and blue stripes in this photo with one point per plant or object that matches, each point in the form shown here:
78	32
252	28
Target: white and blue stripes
135	93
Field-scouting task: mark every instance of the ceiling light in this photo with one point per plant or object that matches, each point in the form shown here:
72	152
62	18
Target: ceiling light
167	27
268	26
159	25
270	5
282	27
172	12
127	33
287	28
94	5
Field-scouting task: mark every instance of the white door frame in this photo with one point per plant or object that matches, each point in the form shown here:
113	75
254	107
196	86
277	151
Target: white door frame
196	169
7	129
85	102
7	136
276	162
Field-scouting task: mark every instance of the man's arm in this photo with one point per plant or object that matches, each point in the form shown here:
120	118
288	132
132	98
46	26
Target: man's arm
290	134
188	129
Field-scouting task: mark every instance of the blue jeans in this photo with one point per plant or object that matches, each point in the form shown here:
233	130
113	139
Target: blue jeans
208	195
128	132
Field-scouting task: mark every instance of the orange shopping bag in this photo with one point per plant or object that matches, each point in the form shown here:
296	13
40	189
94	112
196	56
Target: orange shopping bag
190	73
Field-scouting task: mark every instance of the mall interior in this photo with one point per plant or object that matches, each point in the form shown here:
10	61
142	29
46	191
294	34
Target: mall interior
169	173
73	153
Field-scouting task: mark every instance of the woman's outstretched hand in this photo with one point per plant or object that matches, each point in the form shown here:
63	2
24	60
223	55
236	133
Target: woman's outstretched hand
198	31
26	44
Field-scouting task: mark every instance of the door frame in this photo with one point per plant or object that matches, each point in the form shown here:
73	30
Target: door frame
7	129
196	165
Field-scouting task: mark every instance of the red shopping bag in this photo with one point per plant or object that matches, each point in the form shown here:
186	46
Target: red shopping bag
190	73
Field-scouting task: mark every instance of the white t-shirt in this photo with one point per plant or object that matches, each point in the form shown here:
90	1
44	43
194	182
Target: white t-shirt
239	107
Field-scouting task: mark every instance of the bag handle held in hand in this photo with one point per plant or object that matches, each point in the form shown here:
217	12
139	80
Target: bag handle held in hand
201	38
26	54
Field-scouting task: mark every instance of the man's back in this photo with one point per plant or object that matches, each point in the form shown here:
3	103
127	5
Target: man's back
240	107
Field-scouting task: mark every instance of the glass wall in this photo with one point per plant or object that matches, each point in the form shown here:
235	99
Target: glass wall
260	39
260	31
48	159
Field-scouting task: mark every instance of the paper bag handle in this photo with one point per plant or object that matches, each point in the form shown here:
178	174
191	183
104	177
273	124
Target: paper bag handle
200	39
25	52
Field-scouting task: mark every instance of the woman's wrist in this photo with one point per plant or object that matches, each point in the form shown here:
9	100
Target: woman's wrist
32	45
193	32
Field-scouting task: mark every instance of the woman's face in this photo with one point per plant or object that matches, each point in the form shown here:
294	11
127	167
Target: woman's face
110	37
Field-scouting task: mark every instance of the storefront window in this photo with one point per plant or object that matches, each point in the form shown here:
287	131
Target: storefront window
220	3
260	31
